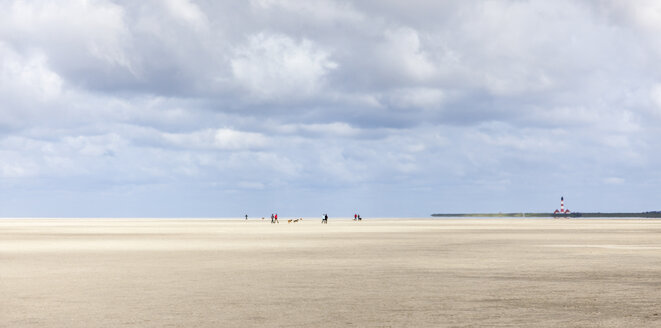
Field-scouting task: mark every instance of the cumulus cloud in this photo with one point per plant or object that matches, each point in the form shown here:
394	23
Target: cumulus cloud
402	51
221	139
321	12
273	66
187	13
76	35
27	76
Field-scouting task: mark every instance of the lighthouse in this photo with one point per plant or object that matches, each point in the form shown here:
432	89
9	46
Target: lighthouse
562	207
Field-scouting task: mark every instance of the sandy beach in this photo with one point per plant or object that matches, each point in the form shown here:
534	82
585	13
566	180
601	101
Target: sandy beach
374	273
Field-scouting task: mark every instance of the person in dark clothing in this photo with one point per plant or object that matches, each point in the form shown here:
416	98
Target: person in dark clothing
272	218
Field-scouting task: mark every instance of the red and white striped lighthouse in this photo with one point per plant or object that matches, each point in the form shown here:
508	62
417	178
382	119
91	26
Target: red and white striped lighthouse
562	207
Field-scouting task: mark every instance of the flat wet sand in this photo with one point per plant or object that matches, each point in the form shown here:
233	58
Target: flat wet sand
374	273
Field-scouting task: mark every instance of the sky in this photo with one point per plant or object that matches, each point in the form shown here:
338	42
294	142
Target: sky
182	108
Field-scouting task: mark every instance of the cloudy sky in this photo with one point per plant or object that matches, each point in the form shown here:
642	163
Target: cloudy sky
182	108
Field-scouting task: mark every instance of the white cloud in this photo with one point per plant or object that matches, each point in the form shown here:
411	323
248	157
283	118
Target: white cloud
188	13
643	13
234	140
404	54
27	77
275	66
221	139
321	12
70	31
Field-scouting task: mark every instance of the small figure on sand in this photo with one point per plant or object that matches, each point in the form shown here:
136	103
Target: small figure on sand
355	216
272	218
324	219
246	217
276	218
359	218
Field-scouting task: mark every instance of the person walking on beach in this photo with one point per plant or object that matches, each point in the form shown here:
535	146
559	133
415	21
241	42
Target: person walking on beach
355	216
272	218
276	218
246	217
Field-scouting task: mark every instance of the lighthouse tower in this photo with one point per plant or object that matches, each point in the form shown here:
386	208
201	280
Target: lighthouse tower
562	207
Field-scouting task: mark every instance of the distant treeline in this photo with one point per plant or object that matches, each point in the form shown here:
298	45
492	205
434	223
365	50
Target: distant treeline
653	214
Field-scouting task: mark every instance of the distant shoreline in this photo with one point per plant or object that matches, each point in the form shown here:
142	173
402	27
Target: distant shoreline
655	214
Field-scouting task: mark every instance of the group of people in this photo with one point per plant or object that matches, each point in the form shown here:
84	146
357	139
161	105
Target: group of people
324	218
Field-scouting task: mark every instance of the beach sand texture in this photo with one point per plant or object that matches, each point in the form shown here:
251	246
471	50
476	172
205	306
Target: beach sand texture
374	273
